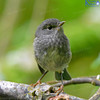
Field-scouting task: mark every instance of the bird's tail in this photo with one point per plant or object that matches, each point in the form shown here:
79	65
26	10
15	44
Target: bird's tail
65	74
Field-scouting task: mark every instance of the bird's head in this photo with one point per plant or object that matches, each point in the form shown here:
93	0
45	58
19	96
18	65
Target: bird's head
50	26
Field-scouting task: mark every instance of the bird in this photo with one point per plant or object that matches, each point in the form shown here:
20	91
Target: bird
52	50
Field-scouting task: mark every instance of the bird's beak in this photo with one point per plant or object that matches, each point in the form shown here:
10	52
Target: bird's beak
60	24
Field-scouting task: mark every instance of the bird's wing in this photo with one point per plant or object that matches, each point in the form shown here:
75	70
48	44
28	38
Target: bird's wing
41	69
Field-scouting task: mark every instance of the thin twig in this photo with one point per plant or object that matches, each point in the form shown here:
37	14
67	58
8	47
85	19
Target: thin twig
90	80
96	96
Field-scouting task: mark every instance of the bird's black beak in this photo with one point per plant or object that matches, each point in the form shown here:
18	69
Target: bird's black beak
59	25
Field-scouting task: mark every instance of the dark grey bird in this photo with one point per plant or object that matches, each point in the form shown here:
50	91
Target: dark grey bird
52	49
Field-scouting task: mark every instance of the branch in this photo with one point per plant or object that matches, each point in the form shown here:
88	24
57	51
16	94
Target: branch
96	96
11	90
91	80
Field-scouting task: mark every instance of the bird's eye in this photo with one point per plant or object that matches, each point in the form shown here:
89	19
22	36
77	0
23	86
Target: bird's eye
49	27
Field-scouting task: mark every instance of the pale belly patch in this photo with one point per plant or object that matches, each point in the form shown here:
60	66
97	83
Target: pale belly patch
53	61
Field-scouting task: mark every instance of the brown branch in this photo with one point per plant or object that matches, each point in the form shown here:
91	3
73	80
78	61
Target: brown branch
11	90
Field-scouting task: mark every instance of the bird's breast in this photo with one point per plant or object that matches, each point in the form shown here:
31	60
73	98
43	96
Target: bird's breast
52	53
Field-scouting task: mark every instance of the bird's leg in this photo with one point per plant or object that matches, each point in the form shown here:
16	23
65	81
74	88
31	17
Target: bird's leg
39	80
61	87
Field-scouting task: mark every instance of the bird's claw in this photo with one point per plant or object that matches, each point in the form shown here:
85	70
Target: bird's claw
59	90
38	82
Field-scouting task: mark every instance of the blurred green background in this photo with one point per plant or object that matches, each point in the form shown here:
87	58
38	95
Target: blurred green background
19	20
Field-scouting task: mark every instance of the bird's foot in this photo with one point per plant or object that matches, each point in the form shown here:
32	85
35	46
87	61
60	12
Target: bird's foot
38	82
59	90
